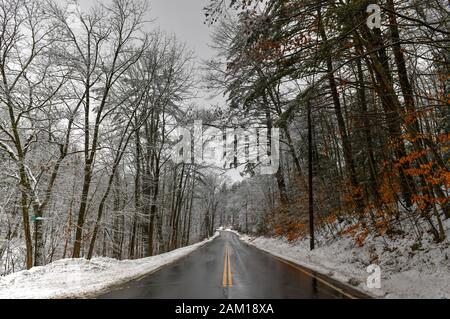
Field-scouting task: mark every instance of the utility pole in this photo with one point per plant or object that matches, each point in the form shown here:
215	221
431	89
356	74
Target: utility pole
246	214
310	180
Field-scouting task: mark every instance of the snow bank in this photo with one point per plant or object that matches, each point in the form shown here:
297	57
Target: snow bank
232	231
408	269
81	278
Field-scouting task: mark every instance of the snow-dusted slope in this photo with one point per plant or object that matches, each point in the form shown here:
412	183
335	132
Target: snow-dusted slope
80	278
408	270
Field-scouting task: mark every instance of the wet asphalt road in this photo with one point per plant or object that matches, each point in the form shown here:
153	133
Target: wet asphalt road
227	268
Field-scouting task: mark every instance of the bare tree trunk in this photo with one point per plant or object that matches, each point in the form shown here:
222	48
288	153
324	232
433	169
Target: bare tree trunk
346	144
137	194
373	184
188	231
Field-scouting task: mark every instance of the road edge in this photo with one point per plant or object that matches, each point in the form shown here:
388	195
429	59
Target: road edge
348	289
119	284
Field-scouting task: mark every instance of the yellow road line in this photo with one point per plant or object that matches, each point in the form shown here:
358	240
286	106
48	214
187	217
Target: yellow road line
230	277
224	277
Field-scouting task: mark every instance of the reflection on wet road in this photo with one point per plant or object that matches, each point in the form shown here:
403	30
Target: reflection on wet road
228	268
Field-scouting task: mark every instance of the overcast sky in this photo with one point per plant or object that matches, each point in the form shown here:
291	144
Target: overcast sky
184	18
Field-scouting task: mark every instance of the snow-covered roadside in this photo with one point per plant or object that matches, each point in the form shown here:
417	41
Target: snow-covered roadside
408	270
81	278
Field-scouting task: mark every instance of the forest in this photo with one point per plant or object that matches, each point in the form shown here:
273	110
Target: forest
91	101
363	112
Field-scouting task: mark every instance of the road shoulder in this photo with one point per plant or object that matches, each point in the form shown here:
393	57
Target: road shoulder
339	285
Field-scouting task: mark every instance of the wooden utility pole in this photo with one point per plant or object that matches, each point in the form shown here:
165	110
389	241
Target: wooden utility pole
310	180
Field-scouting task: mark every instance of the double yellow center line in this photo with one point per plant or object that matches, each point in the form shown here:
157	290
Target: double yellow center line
227	270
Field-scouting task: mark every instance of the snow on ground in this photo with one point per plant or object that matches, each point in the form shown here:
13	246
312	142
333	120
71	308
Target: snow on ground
78	278
408	269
